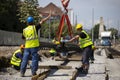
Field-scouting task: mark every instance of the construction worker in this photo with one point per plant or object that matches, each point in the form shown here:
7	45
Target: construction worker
31	44
58	47
17	57
52	52
63	48
85	44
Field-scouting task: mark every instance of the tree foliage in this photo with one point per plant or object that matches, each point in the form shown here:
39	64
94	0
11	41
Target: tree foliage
114	31
49	28
8	19
96	31
28	8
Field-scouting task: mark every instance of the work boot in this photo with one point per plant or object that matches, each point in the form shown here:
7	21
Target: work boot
79	69
34	74
85	71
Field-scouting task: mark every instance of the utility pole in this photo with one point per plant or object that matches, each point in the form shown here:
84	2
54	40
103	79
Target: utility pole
49	29
118	28
92	24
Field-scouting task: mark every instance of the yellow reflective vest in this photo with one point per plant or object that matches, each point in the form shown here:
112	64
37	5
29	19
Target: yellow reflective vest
31	37
86	41
52	51
93	47
14	60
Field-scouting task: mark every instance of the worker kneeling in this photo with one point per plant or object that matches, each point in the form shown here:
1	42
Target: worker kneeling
63	50
17	57
53	52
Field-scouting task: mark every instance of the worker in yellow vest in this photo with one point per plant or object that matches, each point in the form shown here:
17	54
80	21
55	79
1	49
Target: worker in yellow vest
52	52
30	35
17	57
85	44
63	48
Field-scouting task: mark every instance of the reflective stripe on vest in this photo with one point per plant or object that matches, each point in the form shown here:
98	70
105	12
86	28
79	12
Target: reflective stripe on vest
31	37
14	60
86	41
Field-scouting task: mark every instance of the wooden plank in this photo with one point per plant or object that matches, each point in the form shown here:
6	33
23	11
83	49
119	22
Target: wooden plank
102	47
41	76
68	59
75	73
55	67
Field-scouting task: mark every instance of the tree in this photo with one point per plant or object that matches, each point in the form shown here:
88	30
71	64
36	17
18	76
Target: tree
28	8
114	31
96	31
8	19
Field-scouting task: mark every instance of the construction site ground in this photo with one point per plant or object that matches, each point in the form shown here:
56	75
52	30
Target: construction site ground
103	68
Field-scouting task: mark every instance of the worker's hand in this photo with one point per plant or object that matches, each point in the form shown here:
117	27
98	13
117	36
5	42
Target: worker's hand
44	19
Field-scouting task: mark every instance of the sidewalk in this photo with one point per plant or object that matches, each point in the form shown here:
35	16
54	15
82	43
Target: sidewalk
97	69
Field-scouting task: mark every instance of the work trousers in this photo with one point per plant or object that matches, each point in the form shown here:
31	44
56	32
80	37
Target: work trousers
86	54
92	55
35	59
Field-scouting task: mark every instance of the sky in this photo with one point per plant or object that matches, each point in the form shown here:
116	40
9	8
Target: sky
85	9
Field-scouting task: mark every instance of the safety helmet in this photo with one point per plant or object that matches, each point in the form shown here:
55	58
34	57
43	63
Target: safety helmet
57	42
22	46
30	19
79	26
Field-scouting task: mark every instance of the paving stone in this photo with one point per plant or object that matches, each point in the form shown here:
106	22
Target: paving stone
91	77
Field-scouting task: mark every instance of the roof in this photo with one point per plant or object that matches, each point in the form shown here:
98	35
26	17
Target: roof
55	9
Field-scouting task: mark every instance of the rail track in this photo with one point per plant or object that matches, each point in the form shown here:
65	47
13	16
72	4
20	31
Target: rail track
112	53
64	71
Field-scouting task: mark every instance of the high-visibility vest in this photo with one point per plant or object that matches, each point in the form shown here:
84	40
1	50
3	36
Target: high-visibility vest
93	47
31	37
84	42
14	60
52	51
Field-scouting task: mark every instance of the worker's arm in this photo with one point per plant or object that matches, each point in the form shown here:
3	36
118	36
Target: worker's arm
44	19
19	55
74	38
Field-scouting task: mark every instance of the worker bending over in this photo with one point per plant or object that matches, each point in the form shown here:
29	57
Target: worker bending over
53	52
85	44
17	57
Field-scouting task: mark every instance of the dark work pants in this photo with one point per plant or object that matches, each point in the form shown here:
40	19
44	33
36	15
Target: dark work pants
92	55
16	67
86	54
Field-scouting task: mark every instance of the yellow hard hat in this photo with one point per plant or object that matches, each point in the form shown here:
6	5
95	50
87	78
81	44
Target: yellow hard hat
57	42
22	46
79	26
